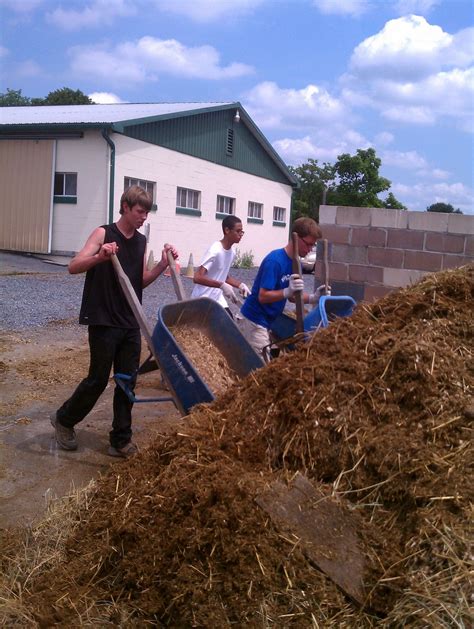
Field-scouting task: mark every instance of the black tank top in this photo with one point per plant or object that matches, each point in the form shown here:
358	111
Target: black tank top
103	301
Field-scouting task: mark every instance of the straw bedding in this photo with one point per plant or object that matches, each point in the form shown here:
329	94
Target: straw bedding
377	410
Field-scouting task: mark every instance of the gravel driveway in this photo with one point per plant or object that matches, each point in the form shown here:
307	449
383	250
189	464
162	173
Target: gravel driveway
34	293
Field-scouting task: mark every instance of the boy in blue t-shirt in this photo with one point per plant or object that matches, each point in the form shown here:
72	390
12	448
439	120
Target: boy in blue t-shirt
275	283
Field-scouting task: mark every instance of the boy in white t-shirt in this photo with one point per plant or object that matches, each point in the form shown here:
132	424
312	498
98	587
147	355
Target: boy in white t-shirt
212	278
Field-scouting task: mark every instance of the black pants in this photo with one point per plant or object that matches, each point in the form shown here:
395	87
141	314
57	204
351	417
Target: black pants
117	347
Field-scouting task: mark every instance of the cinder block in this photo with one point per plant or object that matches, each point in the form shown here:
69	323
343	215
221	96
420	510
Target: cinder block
356	291
444	243
382	217
469	250
428	221
336	271
453	262
336	233
353	216
460	224
401	277
369	274
347	253
422	260
365	236
372	293
385	257
405	239
327	214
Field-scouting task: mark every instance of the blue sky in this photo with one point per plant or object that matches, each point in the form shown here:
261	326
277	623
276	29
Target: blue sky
319	77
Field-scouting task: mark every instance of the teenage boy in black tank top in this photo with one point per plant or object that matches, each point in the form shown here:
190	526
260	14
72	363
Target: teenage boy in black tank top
114	333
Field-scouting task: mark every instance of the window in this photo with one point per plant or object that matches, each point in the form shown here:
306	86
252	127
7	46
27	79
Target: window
149	186
188	198
255	210
65	187
279	214
225	205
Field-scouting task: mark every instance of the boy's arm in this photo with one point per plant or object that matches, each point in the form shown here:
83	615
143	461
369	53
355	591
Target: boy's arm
93	252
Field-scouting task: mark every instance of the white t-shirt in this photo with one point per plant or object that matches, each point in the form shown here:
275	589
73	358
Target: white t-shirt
217	261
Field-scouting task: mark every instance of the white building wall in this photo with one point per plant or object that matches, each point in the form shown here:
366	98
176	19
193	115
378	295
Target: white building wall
73	223
193	234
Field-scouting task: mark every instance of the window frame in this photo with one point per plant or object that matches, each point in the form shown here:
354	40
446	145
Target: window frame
188	193
277	209
223	212
64	196
255	210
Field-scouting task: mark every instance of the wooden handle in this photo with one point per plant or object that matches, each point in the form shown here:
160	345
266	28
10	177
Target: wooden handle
175	276
299	294
326	264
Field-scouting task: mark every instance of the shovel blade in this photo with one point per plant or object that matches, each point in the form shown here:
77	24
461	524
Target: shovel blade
326	529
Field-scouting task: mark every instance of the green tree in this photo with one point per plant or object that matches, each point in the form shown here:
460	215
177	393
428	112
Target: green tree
443	207
13	98
63	96
392	203
358	179
315	182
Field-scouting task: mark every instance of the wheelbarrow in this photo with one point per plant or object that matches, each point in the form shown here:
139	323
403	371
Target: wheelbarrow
211	319
327	309
177	371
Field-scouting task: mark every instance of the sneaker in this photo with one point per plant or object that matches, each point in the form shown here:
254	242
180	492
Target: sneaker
127	451
65	437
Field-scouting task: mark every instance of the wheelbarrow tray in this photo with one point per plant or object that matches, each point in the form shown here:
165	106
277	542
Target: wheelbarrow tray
327	309
211	319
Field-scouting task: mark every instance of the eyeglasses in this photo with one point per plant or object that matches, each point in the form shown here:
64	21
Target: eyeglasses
239	231
308	244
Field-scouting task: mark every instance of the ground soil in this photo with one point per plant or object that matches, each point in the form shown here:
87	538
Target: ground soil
39	368
376	411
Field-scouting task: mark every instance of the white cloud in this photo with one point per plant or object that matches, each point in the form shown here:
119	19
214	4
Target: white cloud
324	145
96	14
28	68
275	107
403	159
342	7
419	196
21	6
105	98
4	52
414	72
413	115
384	138
149	57
420	7
407	47
208	10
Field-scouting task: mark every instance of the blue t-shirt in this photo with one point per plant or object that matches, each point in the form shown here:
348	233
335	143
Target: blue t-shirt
273	274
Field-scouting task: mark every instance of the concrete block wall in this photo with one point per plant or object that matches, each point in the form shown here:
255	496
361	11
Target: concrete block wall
373	251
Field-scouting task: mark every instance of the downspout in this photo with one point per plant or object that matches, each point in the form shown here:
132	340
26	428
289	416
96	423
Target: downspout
105	135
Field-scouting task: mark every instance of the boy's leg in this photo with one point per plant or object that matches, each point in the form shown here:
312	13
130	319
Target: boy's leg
102	344
127	361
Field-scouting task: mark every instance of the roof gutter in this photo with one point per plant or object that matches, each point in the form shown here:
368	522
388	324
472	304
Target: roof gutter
105	135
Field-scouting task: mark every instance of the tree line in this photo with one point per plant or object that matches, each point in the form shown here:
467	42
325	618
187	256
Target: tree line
352	180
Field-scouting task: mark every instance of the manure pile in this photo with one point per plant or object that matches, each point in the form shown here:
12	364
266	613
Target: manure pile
377	410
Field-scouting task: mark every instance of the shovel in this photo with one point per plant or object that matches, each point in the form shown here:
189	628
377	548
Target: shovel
326	530
296	262
175	276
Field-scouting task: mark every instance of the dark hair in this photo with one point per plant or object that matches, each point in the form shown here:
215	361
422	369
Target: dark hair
136	195
230	222
305	226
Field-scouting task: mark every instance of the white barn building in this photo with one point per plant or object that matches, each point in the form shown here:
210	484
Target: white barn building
63	170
